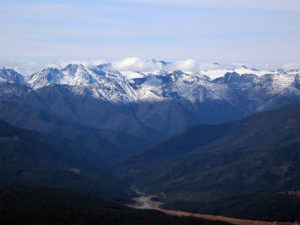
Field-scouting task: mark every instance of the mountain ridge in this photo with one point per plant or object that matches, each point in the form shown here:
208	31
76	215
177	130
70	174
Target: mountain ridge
135	86
149	104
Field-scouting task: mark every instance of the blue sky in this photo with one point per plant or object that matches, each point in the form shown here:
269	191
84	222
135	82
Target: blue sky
251	31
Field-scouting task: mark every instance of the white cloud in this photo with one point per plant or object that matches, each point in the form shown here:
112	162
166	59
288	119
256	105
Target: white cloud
135	64
290	66
209	66
188	65
63	63
24	68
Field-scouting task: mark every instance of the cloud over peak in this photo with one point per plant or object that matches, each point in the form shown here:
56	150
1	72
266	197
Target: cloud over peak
188	65
135	64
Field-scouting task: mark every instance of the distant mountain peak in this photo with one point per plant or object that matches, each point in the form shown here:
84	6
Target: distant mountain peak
11	76
135	86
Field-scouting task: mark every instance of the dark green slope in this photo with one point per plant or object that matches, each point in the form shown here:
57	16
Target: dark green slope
28	157
266	206
40	205
206	162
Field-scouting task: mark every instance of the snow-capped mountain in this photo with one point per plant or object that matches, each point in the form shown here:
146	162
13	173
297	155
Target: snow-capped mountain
154	100
126	86
159	85
11	76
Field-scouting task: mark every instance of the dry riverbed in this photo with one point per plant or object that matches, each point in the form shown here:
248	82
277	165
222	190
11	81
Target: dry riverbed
144	201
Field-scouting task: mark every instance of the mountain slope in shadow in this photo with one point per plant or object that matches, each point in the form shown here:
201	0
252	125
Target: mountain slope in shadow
206	162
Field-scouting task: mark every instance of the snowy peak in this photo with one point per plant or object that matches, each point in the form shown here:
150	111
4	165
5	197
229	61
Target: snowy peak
127	85
72	74
77	75
72	68
11	76
44	78
241	70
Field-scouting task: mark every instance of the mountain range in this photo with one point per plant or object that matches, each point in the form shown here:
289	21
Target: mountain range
149	104
106	83
222	142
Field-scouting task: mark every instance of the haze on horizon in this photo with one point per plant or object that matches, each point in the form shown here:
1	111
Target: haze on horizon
253	31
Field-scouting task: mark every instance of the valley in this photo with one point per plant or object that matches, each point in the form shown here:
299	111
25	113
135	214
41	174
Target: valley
147	202
150	112
223	149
